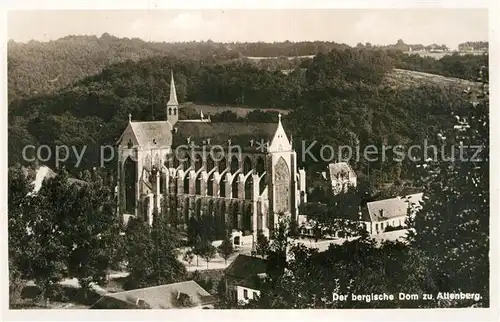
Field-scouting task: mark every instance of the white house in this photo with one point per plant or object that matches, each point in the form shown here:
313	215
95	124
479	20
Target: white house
392	212
243	277
245	293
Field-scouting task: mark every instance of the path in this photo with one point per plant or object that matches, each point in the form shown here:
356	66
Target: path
322	245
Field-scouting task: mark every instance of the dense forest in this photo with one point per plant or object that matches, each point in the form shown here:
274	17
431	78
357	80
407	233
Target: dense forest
340	99
41	67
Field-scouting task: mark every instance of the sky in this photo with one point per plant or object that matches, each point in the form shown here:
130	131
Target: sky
449	26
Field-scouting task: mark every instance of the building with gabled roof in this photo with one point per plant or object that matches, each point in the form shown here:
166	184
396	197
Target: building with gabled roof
342	176
243	174
391	212
182	295
243	277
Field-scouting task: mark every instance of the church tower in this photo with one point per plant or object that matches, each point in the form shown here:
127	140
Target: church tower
173	104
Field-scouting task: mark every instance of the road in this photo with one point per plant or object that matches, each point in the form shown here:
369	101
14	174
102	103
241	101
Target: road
322	245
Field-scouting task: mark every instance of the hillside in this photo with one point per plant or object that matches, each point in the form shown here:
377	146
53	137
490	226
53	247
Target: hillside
346	97
42	67
406	78
36	68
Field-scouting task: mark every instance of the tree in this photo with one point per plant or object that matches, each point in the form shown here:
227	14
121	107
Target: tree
19	181
198	248
208	252
226	249
453	225
262	244
188	256
95	228
193	229
278	249
152	254
48	223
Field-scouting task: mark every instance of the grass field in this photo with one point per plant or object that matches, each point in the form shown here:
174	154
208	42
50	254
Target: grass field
240	111
407	78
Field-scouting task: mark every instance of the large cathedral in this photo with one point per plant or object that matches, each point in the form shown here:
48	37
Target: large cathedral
241	174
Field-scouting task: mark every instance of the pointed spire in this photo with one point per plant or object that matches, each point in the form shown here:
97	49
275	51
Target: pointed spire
279	118
130	118
201	115
173	94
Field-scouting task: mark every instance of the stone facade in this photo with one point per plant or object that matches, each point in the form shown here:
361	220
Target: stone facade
241	174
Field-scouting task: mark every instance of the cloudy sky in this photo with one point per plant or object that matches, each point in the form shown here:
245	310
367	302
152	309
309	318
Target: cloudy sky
378	26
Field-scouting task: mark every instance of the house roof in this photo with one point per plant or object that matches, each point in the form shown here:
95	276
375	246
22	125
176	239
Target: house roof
168	296
254	282
219	133
153	134
391	208
336	169
245	267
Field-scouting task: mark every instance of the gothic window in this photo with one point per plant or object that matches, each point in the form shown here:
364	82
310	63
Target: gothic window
247	165
210	185
222	165
163	177
210	162
222	187
234	164
282	186
234	187
130	169
170	111
248	188
198	184
187	161
198	162
175	111
130	144
260	167
186	183
175	161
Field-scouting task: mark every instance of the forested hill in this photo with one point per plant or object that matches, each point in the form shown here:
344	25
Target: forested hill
345	97
42	67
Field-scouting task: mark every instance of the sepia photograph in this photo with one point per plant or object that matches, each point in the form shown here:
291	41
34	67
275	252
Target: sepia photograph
223	159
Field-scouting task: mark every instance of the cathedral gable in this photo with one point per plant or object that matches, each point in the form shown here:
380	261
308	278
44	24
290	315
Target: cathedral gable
128	138
280	141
